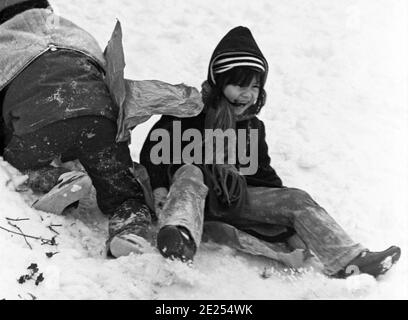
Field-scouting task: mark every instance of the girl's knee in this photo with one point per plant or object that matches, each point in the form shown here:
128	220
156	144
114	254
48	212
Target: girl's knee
189	171
298	192
300	197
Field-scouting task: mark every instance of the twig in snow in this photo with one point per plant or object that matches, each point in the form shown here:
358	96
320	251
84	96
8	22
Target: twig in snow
51	254
17	220
52	226
8	182
51	242
52	229
25	238
33	297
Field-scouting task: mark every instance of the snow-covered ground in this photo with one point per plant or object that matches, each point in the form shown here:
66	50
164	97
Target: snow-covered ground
337	122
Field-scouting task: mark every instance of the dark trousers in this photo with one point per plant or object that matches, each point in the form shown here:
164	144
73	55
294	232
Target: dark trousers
91	140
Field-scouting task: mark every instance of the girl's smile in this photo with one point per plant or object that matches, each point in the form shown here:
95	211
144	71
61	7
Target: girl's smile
242	97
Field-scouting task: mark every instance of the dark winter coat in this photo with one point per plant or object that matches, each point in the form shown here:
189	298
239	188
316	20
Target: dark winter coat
159	174
240	40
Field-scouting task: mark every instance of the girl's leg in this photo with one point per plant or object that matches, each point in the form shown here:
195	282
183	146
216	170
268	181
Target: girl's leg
294	208
184	209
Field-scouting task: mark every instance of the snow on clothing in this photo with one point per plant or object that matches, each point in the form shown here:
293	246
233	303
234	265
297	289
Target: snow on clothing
186	201
269	207
30	35
56	104
33	32
58	85
91	139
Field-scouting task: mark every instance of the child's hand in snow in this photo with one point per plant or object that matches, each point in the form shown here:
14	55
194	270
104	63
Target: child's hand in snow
160	197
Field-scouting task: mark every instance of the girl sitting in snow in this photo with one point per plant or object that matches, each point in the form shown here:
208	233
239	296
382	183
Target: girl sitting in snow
187	193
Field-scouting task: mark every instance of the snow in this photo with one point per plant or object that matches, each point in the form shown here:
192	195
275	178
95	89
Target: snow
76	188
336	123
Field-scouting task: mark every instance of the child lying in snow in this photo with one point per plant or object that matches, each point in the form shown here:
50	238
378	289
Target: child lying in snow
55	103
256	202
61	98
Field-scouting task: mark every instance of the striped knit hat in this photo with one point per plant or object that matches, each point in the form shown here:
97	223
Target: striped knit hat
227	61
237	49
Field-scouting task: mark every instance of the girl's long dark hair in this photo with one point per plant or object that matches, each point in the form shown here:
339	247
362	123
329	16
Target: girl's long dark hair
227	184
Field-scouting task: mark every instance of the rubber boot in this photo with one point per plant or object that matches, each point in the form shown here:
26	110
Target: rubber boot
182	219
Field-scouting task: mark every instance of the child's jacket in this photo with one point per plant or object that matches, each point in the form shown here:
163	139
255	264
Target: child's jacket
264	177
31	33
239	40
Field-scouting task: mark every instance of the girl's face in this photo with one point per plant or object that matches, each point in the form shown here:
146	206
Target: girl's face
242	97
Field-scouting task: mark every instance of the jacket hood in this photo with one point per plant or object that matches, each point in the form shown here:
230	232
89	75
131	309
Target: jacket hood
237	41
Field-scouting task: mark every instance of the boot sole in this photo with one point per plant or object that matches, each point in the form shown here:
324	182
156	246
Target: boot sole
389	261
381	266
172	244
122	246
64	194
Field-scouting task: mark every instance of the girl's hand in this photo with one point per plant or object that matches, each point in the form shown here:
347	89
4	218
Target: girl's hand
229	185
160	198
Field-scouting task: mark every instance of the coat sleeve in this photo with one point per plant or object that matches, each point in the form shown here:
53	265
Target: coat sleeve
265	176
158	173
161	174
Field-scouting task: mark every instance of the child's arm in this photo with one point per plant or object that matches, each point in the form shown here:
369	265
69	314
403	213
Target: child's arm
265	176
158	173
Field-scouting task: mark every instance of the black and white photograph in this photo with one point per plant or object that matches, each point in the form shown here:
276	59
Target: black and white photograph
173	150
